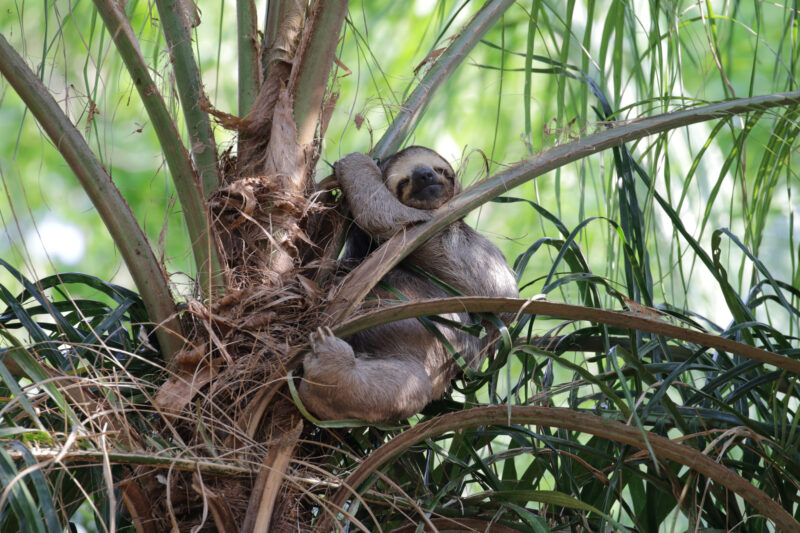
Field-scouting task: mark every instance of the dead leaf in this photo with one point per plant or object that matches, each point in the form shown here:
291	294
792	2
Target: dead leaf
311	288
180	389
226	120
430	58
641	310
342	66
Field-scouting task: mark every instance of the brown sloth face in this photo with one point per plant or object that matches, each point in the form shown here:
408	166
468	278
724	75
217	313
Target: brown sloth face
419	177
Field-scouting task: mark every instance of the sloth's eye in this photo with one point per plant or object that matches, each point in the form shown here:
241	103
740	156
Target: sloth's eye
441	171
402	184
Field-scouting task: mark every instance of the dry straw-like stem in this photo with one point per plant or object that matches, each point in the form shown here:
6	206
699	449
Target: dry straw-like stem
143	459
269	480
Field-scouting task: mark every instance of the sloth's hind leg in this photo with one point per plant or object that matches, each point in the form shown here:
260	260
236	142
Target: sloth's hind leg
338	383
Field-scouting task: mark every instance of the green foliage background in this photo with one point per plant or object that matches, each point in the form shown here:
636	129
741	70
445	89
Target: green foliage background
645	59
540	78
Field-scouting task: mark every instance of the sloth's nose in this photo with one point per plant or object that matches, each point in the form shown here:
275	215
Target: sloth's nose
424	175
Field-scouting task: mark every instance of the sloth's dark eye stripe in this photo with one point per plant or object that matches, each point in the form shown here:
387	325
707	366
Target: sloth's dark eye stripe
402	184
447	174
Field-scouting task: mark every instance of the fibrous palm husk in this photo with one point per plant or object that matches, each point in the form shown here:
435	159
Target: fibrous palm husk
227	399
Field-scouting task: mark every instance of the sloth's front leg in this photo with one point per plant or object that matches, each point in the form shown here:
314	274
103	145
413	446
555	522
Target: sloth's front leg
375	208
338	383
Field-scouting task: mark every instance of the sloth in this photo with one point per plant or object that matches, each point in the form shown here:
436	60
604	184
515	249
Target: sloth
390	372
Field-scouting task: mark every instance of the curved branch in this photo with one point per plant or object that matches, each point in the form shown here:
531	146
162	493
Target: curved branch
190	89
310	74
249	69
111	206
619	319
572	421
470	35
195	214
361	280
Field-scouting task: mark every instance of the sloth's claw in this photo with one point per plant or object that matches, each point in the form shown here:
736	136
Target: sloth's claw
323	335
325	345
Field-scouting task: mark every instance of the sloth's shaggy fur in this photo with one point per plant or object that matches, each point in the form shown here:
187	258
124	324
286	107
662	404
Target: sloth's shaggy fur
392	371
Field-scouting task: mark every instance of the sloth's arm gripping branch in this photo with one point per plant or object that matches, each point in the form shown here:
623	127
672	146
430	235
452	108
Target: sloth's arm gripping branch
338	383
374	207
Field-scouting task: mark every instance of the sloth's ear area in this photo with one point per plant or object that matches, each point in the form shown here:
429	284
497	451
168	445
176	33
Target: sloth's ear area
448	174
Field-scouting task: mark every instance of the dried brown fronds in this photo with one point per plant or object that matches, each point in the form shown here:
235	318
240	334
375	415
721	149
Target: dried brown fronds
278	238
231	377
227	396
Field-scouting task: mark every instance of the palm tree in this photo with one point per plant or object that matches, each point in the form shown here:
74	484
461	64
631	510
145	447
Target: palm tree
622	400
